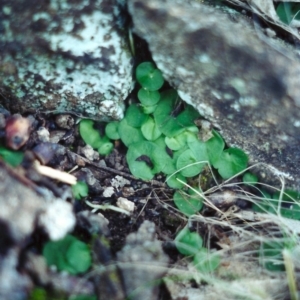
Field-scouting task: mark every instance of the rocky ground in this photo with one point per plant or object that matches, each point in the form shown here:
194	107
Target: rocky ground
129	224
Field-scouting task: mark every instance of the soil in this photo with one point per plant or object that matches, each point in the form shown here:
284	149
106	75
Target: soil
152	201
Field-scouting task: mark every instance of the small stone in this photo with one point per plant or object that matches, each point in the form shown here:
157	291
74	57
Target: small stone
108	192
90	153
56	136
125	204
43	135
119	182
2	121
93	223
64	121
58	219
128	191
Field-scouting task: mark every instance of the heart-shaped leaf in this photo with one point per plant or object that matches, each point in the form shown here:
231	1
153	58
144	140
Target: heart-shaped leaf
231	162
135	116
129	134
189	204
111	130
139	159
173	183
187	242
206	261
150	130
163	114
149	77
89	134
214	147
80	190
148	98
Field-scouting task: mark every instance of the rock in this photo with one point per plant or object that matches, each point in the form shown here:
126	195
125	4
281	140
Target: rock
246	86
65	56
142	263
58	219
25	207
93	223
125	204
64	121
13	284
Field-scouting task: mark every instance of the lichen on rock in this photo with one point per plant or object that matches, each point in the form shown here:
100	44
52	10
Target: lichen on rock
65	56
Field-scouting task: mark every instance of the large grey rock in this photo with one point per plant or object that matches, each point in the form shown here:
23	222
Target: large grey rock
246	86
142	263
65	56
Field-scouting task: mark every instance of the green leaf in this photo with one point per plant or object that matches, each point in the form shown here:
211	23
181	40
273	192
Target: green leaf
66	253
139	159
89	134
135	116
149	77
92	137
150	130
206	261
148	109
292	211
106	148
176	142
189	204
83	297
182	139
80	190
199	150
185	160
290	206
163	115
78	257
188	116
111	130
129	134
271	256
288	11
173	183
262	205
214	147
187	242
148	98
284	12
231	162
163	162
13	158
250	178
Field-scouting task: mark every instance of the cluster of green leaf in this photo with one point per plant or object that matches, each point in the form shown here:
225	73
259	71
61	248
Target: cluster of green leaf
287	11
191	244
68	254
161	135
92	137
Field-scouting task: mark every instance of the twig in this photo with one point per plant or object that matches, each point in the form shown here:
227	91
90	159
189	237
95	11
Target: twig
105	207
114	171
